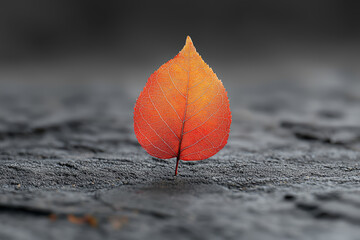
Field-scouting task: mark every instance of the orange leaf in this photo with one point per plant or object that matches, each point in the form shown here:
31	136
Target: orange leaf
53	217
75	220
184	110
81	220
118	223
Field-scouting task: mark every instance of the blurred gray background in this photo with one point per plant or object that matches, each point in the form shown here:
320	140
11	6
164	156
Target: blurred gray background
138	36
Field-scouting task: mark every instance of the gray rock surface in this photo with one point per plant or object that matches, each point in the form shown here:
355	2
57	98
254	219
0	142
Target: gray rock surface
291	169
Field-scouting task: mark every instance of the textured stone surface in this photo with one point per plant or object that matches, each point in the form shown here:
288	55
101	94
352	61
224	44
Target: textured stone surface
291	169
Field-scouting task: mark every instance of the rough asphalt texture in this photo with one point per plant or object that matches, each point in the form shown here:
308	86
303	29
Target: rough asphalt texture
291	169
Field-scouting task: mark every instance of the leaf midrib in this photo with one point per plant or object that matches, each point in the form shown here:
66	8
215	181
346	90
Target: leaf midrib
186	105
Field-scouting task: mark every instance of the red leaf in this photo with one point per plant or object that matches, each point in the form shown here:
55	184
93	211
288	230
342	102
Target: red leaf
184	110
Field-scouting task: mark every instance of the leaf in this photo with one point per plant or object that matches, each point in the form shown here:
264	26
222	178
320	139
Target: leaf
84	219
184	110
118	223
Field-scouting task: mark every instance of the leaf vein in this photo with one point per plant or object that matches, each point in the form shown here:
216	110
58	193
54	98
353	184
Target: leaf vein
168	101
160	114
174	83
217	93
156	133
151	142
191	145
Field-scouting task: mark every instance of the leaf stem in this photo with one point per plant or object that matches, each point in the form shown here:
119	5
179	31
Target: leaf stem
177	165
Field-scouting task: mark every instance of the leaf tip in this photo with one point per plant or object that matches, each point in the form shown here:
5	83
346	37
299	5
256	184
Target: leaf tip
188	40
188	48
